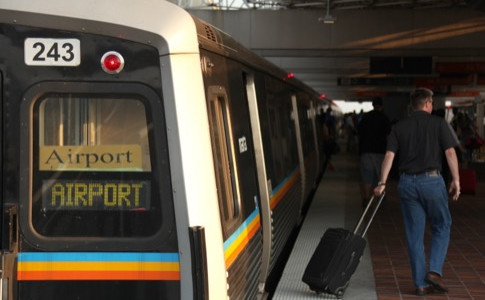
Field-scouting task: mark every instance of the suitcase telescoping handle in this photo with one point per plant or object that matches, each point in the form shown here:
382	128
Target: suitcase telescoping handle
366	211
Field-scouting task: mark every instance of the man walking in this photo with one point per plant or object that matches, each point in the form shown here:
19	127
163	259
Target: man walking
372	130
421	140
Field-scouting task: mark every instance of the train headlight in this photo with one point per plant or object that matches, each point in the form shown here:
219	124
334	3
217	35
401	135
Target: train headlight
112	62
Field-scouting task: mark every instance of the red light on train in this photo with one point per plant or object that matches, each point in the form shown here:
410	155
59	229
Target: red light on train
322	96
288	76
112	62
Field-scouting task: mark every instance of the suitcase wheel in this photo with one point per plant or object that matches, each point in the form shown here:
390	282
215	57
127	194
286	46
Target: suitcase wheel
340	294
316	290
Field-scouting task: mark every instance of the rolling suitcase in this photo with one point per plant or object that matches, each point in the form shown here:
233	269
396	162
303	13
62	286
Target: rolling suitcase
338	254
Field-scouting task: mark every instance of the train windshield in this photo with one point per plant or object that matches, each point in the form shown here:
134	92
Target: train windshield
92	167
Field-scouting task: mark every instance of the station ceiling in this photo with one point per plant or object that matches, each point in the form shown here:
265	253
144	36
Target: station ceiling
353	74
325	4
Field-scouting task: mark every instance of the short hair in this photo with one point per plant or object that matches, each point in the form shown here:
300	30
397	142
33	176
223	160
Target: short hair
419	97
377	101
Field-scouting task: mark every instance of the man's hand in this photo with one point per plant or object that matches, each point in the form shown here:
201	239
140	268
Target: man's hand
455	189
378	190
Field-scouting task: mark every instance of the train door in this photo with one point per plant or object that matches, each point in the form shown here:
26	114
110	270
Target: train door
301	158
236	181
316	136
263	182
96	214
224	153
308	151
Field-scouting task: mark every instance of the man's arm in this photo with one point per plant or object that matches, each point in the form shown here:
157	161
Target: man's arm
385	169
453	165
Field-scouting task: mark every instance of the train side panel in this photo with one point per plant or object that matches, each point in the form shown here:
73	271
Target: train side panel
282	164
193	169
236	174
287	154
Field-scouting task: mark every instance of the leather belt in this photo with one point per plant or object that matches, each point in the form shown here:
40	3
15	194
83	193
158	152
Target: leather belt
428	173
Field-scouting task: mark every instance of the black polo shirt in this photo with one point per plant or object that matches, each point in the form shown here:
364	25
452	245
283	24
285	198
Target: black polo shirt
373	130
420	141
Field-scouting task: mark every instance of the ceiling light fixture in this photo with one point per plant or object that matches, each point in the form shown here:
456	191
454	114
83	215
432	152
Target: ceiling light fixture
328	19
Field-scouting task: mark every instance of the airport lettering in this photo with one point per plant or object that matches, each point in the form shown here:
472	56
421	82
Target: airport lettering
97	195
88	159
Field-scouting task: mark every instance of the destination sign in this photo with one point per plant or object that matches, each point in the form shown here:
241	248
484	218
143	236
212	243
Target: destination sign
90	158
95	195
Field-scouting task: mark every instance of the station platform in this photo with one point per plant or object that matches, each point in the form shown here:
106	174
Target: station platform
384	271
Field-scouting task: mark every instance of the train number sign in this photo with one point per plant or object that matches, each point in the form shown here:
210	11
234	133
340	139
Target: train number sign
52	52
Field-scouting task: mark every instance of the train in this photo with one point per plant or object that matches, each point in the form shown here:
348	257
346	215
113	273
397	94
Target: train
146	154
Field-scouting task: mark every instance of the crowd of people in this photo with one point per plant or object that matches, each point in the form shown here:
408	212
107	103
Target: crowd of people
353	133
425	151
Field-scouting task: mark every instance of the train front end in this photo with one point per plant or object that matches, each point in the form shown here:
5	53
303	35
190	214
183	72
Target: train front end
88	205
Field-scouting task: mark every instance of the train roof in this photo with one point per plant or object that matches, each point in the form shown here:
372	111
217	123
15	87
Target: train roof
216	40
118	18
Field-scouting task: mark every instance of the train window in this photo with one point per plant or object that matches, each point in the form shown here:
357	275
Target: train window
224	155
279	108
306	129
86	134
92	167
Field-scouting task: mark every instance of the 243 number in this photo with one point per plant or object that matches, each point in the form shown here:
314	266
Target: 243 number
52	52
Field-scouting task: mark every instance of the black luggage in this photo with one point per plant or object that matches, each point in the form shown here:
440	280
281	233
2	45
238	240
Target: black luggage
338	254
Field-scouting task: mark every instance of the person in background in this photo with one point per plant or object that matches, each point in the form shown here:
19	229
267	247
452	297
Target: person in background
329	132
465	129
440	112
327	140
421	140
350	130
372	130
330	122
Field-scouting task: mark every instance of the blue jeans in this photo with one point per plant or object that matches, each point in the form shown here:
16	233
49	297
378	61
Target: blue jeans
424	197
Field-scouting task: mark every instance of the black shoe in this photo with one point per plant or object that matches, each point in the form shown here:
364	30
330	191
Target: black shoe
436	281
424	290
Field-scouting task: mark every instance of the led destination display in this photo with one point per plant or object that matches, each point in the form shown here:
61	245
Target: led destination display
95	195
